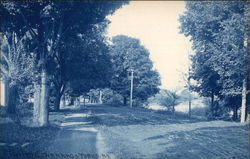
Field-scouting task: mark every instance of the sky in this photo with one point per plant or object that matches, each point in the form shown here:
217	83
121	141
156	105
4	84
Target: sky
156	24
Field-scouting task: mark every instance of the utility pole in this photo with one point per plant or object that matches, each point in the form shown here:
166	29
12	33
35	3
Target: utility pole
131	88
189	85
189	95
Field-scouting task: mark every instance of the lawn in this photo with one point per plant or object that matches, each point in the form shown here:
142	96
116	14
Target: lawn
15	138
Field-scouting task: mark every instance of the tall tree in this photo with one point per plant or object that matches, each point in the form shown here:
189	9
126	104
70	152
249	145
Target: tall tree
218	31
127	53
16	64
91	68
47	22
207	80
83	62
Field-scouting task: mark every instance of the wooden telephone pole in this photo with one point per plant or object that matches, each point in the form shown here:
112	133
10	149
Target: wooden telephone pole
131	88
189	96
189	85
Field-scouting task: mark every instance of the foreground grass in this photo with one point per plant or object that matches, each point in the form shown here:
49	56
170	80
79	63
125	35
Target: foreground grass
17	138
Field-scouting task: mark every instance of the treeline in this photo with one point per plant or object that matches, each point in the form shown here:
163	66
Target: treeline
47	45
126	54
56	48
219	32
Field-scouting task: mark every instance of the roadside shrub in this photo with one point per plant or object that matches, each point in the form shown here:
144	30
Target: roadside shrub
111	97
94	95
25	109
137	103
199	111
219	111
166	98
116	99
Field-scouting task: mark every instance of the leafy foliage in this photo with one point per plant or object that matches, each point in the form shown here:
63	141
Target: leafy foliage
16	63
53	30
218	31
111	97
89	65
128	54
166	98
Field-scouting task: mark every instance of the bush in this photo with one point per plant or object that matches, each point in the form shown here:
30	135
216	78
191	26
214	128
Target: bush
166	98
116	99
111	97
139	103
25	109
199	111
219	112
94	95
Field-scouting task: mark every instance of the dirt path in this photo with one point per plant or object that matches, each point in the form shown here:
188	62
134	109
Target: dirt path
76	139
120	132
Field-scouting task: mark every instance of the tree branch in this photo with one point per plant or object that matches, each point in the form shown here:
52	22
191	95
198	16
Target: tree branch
5	58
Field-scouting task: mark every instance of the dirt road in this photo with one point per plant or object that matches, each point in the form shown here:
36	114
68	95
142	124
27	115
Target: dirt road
120	132
76	138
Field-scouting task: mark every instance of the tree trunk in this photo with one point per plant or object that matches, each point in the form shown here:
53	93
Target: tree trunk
124	101
189	106
57	100
13	99
63	100
84	102
243	101
248	97
74	101
71	101
100	97
37	98
59	93
77	102
173	110
6	91
247	45
235	114
212	103
43	120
